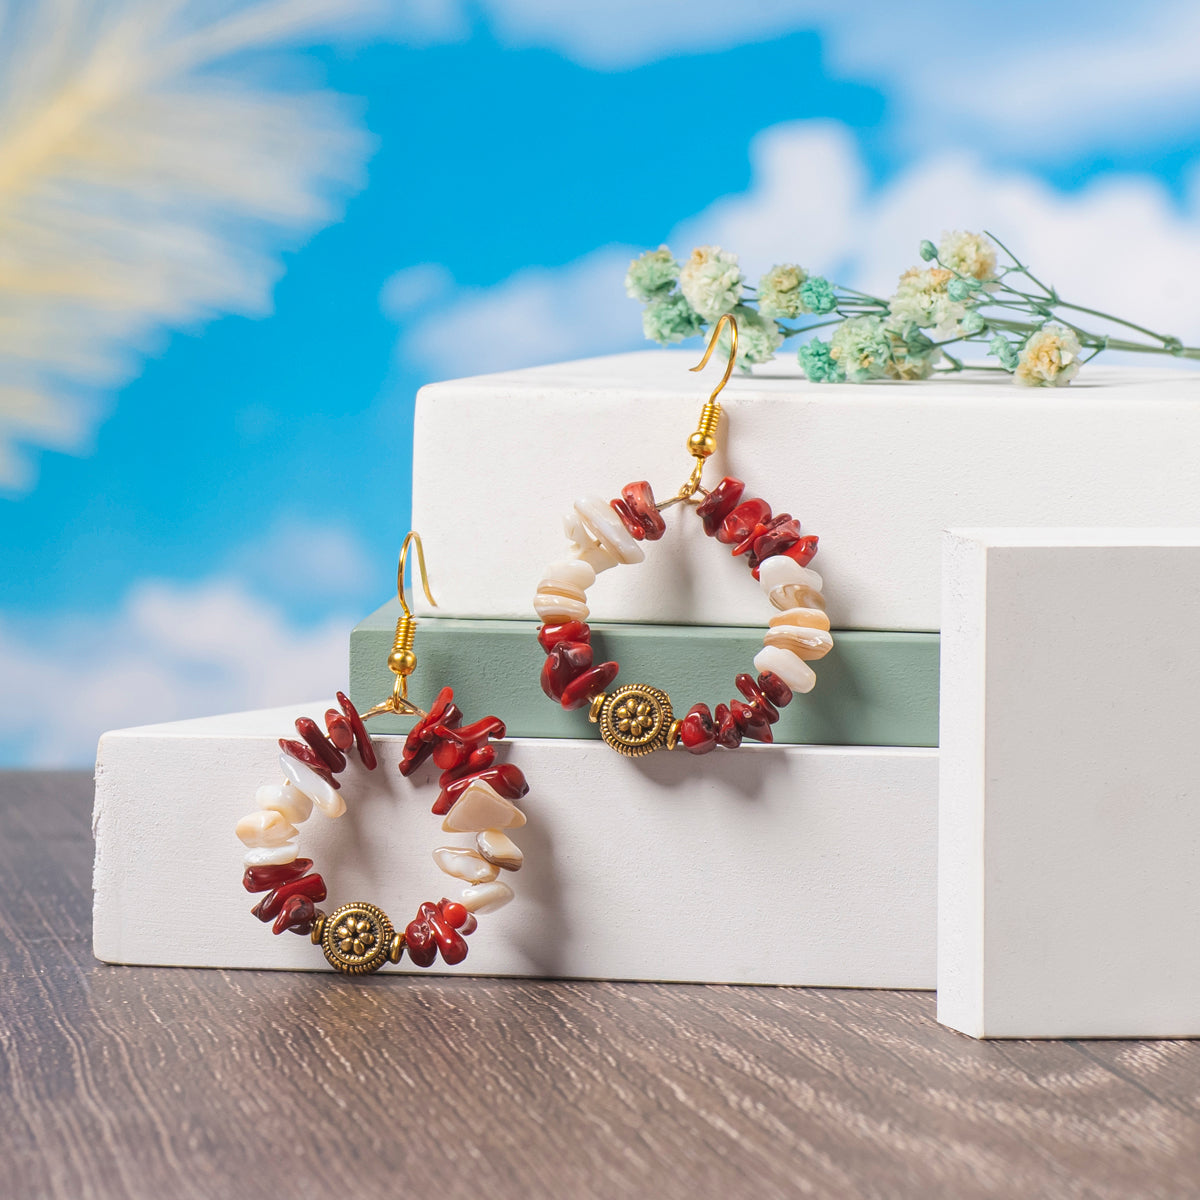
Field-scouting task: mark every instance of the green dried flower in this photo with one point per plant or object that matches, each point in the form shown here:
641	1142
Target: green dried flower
1001	348
651	275
670	319
862	347
928	250
972	324
818	364
817	295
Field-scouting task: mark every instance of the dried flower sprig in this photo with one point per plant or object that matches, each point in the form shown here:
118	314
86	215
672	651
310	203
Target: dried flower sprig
966	295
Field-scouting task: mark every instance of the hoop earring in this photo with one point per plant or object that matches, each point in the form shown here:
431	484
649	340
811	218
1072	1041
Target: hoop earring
476	797
637	718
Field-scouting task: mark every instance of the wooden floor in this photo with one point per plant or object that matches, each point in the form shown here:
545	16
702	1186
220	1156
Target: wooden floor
172	1084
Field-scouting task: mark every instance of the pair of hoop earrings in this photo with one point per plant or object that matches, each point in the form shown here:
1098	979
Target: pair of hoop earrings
476	791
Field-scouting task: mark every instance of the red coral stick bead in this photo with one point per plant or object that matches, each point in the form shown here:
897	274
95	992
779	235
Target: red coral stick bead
591	683
566	661
697	731
729	734
741	522
322	747
508	780
363	739
639	497
757	697
418	746
263	879
452	946
297	914
628	519
454	746
719	503
804	551
301	753
341	734
312	886
775	689
549	636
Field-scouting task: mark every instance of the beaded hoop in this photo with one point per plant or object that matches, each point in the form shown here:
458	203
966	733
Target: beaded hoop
476	796
637	719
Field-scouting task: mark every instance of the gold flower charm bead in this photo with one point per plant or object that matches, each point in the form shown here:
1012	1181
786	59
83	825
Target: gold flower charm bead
635	719
357	937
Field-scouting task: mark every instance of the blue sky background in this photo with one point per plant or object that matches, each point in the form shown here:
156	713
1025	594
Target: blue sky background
228	511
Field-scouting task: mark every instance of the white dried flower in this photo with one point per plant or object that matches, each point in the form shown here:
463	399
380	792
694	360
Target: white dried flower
968	254
922	300
712	281
1050	358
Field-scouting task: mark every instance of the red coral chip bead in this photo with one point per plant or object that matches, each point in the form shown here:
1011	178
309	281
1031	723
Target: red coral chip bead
418	941
549	636
591	683
729	734
478	760
469	925
509	781
302	753
363	739
757	697
452	946
775	689
803	552
752	721
341	734
453	746
263	879
628	519
697	731
297	914
565	662
719	503
418	746
322	747
312	886
741	522
640	499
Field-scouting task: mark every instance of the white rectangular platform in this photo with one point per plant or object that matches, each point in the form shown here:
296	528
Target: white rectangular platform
877	470
771	865
1069	848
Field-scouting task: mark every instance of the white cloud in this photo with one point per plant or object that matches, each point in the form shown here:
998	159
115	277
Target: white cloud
538	315
1121	244
303	560
1041	77
414	287
170	652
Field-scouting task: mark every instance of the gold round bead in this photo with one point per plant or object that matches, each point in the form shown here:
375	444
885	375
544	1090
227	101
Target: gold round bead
596	707
402	662
318	928
673	734
395	947
702	445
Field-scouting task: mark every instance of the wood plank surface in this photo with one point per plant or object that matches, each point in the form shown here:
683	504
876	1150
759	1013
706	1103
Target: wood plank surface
174	1084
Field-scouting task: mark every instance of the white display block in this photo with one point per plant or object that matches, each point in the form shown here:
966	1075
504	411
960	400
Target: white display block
1069	840
877	470
770	865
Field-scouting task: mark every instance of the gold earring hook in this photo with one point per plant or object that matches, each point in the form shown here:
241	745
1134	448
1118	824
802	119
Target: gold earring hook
412	537
703	443
726	319
402	659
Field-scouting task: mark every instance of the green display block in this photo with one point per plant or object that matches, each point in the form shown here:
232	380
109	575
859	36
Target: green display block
873	689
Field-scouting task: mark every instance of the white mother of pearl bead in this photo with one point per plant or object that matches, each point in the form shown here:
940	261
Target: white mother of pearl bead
573	572
798	675
788	584
811	618
605	526
801	641
486	897
327	799
290	801
583	546
265	828
272	856
465	864
554	608
497	847
481	807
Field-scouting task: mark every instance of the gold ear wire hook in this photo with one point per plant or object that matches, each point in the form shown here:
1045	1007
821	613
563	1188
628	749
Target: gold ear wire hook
402	659
703	443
